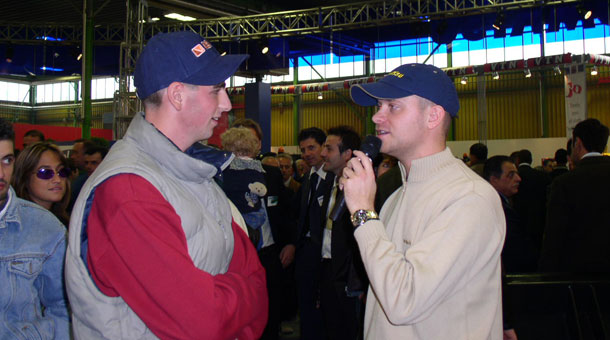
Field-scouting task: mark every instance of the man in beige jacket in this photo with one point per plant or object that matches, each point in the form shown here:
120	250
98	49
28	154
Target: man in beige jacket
433	259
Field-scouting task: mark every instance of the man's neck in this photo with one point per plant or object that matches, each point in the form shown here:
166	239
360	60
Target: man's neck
421	153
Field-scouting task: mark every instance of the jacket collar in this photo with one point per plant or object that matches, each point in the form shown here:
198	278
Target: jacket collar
198	163
10	214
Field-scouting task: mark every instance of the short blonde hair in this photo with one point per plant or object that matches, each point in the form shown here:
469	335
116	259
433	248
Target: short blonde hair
241	141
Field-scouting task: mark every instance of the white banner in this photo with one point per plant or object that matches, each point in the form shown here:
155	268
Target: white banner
575	81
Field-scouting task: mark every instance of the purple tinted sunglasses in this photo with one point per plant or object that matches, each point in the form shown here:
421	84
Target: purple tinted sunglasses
44	173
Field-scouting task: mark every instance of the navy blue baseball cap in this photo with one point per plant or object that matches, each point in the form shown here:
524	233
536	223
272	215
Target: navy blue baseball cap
422	80
184	57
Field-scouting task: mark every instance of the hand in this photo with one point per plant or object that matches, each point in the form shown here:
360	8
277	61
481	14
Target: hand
287	255
358	183
509	334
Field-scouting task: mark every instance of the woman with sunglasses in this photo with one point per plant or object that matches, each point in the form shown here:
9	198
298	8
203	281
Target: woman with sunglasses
41	176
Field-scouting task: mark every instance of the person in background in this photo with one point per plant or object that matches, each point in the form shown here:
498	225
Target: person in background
156	250
271	160
387	163
530	202
342	276
33	304
577	234
41	176
31	137
570	158
518	254
277	252
561	160
478	156
286	166
310	200
302	169
433	259
244	182
77	154
547	165
93	158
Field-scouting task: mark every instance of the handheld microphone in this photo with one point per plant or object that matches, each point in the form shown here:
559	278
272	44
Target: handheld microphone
370	147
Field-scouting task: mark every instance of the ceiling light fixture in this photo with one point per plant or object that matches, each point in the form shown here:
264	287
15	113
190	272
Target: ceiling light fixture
594	70
9	54
528	73
464	80
584	12
320	97
179	17
499	21
495	75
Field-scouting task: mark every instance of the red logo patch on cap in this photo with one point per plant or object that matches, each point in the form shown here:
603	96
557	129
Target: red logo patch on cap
198	50
206	44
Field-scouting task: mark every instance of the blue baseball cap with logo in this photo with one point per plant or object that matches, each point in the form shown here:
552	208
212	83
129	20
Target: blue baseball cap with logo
422	80
184	57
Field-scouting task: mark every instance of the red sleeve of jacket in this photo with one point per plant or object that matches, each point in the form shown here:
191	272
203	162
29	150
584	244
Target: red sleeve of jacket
137	250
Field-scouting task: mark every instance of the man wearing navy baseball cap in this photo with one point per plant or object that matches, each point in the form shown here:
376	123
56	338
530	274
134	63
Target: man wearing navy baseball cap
432	254
155	247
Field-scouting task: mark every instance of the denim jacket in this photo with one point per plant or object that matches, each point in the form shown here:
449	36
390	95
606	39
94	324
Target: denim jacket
33	304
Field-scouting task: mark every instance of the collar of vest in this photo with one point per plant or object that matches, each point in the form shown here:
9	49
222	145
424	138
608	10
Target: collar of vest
196	164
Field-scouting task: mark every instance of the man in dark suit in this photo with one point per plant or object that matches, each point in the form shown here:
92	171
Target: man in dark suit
530	201
561	160
342	278
312	195
577	235
518	255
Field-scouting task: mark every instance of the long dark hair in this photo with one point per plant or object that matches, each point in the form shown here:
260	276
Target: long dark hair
25	165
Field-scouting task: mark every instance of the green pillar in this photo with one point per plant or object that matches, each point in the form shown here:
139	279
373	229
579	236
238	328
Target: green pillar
296	103
87	67
451	135
369	127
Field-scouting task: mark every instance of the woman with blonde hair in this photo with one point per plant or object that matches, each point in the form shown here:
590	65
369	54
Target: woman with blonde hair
244	180
41	176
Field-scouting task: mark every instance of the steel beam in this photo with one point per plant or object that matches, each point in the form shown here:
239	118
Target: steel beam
283	24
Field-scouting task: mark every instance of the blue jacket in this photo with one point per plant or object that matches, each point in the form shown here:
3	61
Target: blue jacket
33	304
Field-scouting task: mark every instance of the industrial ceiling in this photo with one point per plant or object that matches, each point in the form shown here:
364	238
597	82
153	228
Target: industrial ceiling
28	29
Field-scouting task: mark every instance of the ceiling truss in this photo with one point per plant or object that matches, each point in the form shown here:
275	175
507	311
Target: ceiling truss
282	24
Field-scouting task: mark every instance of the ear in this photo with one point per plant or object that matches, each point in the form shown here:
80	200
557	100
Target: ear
436	115
175	95
347	155
493	180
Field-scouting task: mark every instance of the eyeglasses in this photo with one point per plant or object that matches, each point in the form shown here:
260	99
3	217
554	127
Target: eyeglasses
44	173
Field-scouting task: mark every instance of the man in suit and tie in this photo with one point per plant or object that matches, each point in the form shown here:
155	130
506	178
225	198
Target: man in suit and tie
288	172
314	191
577	237
530	201
342	277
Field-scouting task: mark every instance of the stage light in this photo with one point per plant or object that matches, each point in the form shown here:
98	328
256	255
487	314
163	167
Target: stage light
584	12
594	71
9	54
499	21
556	70
528	73
464	80
320	97
496	75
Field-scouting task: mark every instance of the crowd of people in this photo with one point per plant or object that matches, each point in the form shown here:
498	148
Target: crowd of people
170	238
